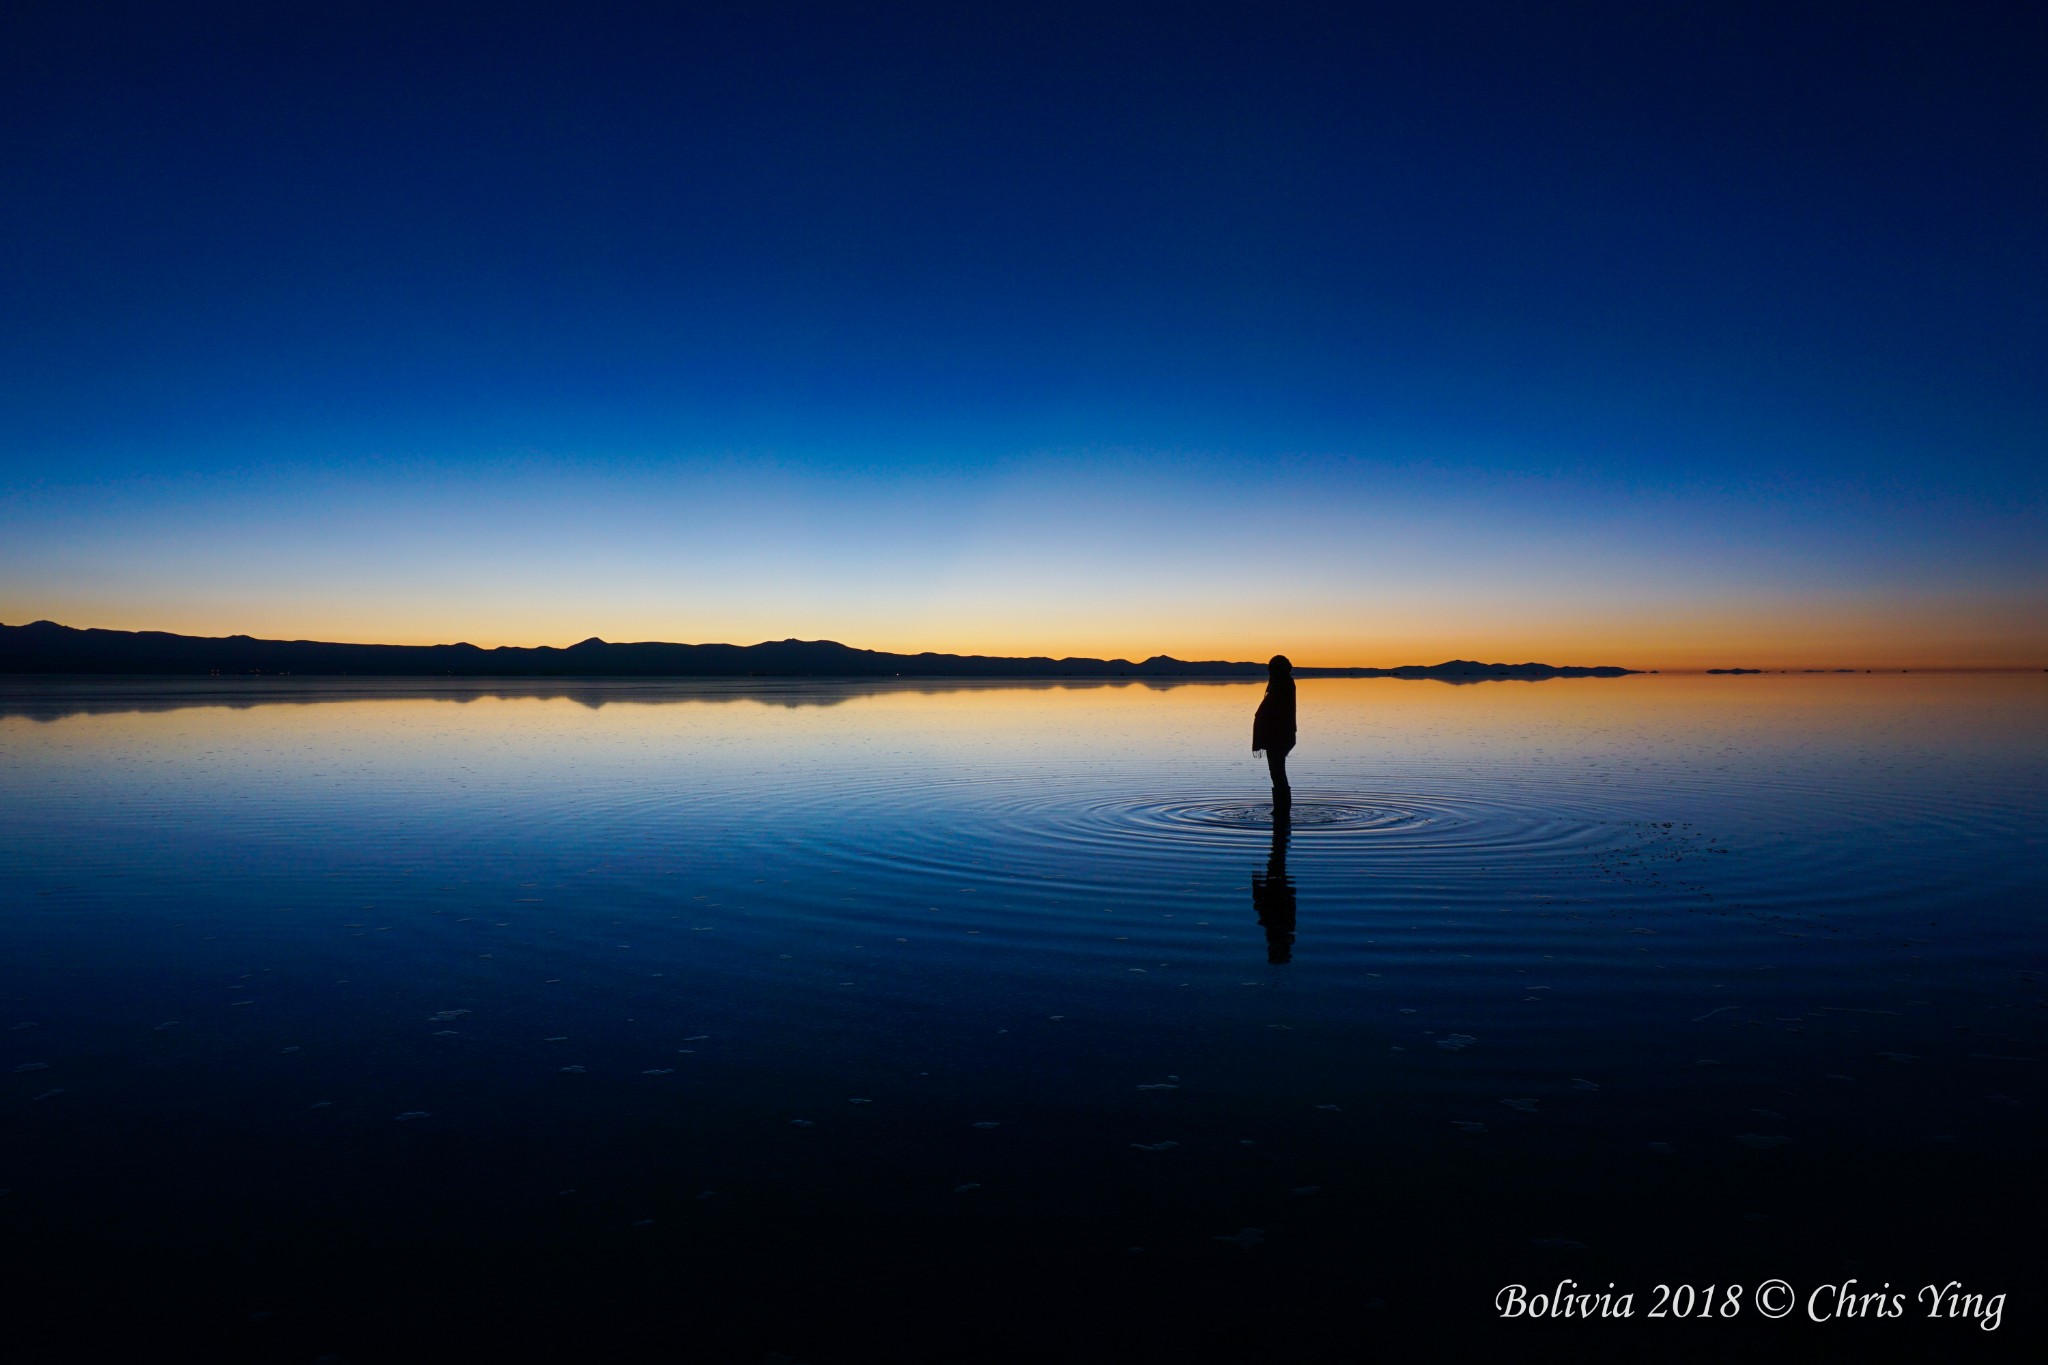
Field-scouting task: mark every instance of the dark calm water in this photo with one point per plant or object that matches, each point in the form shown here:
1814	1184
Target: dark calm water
868	1023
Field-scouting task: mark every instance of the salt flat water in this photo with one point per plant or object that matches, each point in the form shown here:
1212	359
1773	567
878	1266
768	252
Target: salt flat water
389	1019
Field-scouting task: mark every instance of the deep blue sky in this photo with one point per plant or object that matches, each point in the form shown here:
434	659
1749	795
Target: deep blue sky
1656	330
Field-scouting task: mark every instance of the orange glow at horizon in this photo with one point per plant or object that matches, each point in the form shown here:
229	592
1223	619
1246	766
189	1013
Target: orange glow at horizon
1861	634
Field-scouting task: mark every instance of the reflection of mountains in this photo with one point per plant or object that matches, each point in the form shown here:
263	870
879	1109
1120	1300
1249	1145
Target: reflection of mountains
57	697
46	647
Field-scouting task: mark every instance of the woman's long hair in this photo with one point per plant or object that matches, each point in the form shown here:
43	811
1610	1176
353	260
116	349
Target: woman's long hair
1279	674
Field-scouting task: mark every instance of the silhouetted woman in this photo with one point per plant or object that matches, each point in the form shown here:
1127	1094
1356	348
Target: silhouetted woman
1273	727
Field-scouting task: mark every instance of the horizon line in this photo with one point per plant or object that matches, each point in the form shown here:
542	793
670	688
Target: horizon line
1700	668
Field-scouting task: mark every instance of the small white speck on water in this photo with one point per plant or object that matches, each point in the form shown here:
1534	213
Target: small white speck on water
802	1123
659	1071
444	1016
1456	1042
575	1070
1581	1083
283	1050
1155	1146
1245	1239
860	1101
1525	1106
970	1185
558	1038
409	1115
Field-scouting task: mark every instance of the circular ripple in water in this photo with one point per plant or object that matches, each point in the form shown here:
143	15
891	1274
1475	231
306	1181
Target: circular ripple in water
1317	813
1345	828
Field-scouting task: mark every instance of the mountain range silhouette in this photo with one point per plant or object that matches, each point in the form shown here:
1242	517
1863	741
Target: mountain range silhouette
45	647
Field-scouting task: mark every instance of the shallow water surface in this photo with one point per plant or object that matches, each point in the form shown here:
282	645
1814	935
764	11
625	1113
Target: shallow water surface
683	1020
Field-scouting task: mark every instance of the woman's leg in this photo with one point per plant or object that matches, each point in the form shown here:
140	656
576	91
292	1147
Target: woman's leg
1276	764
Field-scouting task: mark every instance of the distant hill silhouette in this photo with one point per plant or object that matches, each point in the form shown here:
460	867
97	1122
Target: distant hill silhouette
46	647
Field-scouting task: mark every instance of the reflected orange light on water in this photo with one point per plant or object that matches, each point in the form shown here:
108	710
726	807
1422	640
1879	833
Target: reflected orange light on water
737	727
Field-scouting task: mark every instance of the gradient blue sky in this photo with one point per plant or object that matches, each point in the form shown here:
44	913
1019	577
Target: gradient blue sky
1639	333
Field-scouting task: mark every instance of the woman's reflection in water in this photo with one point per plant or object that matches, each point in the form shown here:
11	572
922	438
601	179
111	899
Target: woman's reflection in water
1273	894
